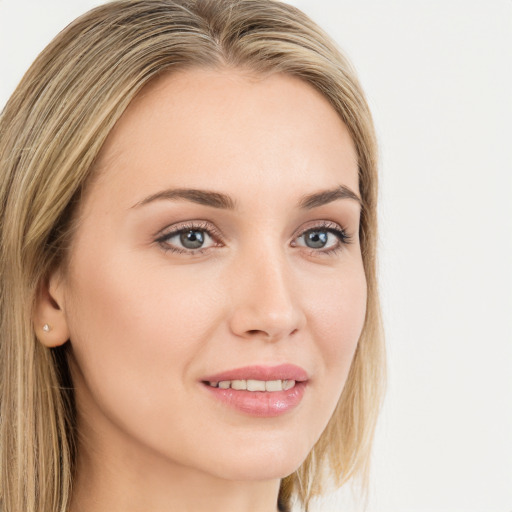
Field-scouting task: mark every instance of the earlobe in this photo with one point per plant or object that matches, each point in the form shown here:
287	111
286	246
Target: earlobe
50	322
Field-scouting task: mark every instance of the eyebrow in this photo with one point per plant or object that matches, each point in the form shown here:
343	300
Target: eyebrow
204	197
223	201
328	196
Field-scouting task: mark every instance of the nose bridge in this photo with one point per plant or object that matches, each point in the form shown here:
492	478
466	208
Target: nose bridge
264	301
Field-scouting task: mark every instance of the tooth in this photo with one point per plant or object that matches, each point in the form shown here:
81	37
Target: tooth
255	385
238	384
274	385
288	384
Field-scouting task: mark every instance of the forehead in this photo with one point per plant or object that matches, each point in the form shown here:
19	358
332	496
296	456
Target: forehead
226	128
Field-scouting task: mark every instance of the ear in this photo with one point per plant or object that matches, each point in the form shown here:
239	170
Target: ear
50	322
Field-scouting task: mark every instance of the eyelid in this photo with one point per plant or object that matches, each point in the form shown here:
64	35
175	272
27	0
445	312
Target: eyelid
198	225
321	224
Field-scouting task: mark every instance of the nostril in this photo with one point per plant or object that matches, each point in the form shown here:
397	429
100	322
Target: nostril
260	332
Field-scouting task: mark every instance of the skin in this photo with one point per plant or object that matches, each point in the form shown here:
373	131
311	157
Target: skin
146	324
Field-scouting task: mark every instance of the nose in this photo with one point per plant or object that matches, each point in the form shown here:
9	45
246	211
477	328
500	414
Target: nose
266	305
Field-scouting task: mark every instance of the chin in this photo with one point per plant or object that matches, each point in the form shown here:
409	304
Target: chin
260	462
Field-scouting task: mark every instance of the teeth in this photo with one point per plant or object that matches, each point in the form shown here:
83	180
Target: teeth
274	385
288	384
255	385
238	384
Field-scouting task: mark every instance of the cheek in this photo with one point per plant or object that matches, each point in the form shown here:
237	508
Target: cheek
337	318
137	331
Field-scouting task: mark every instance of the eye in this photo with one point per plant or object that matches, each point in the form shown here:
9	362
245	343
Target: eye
188	239
192	239
319	239
326	238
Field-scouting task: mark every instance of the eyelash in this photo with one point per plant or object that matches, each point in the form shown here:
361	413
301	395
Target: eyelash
205	227
339	232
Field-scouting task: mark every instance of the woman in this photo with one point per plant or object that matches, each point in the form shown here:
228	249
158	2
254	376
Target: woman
190	317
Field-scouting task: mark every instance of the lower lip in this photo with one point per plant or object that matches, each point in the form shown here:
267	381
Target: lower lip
264	404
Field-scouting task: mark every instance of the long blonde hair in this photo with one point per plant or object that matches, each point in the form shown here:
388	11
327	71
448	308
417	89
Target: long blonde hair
51	132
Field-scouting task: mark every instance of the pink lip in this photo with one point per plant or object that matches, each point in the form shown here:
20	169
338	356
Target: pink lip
262	404
280	372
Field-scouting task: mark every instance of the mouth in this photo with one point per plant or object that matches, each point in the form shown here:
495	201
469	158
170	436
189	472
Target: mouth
272	386
260	391
260	373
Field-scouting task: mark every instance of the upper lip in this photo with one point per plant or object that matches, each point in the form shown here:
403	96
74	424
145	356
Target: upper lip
257	372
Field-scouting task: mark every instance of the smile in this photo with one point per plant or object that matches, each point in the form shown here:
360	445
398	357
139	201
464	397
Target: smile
259	390
254	385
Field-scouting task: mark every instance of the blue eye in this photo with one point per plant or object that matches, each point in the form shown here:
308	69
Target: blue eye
192	239
323	239
187	239
316	239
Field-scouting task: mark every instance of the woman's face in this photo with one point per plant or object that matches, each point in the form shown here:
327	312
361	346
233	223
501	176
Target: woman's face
217	249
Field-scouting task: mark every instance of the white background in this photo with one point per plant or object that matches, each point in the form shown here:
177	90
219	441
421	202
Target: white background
438	76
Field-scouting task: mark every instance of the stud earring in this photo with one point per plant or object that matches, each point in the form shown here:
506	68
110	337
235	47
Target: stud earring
46	328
